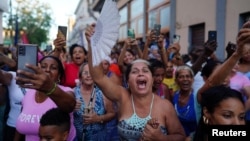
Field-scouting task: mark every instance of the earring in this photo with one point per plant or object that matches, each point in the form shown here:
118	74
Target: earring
58	80
205	120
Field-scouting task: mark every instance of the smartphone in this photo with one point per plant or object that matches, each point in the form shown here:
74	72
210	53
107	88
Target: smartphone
26	53
131	33
176	38
212	35
49	48
63	31
157	29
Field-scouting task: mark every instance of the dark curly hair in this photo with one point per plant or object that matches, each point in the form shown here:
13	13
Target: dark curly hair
72	47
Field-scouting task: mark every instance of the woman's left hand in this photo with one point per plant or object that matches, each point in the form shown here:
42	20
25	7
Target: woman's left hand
38	80
243	38
160	41
151	133
90	118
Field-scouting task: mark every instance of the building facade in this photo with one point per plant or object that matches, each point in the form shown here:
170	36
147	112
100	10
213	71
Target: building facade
84	16
194	18
140	15
190	19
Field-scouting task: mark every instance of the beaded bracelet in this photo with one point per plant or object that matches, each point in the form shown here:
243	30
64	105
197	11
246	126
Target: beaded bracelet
51	90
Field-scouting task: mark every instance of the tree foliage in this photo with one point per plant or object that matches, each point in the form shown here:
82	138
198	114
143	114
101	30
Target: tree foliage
34	18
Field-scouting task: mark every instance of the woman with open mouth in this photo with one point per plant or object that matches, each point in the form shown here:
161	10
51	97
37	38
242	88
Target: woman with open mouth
141	115
185	100
78	57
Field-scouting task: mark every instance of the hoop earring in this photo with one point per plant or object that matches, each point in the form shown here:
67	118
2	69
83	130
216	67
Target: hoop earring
58	80
205	120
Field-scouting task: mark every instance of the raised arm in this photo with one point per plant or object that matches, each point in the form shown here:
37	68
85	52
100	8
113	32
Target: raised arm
110	89
219	75
210	47
138	50
151	36
163	52
6	60
59	44
115	79
42	82
122	54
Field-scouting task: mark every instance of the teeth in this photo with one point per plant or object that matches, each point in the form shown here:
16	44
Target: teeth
142	85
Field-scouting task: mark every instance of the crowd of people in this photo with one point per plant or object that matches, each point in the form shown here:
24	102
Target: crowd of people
149	93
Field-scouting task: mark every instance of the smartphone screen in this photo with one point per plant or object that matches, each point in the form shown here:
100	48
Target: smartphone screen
49	48
157	28
26	53
63	31
212	35
176	38
131	33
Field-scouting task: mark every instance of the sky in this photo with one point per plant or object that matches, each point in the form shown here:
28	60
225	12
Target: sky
62	10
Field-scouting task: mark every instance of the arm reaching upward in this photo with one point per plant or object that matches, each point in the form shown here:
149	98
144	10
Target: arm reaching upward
219	75
111	90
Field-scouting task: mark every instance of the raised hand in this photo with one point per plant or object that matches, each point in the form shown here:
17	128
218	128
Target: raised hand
129	42
243	38
174	48
160	41
59	42
230	48
151	130
39	80
133	42
154	123
151	36
90	30
6	60
210	47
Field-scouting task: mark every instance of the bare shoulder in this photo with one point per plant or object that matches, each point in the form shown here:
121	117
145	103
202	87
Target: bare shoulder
164	111
163	104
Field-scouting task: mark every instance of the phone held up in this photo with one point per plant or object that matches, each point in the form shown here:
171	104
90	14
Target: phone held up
62	30
131	33
26	54
157	29
212	35
176	38
49	48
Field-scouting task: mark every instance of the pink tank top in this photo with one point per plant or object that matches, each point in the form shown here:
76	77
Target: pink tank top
28	120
